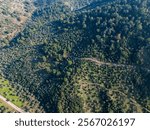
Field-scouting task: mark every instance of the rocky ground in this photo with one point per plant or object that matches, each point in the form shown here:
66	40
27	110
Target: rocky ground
13	15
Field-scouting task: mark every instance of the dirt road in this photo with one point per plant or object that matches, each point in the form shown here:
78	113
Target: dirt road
11	104
113	64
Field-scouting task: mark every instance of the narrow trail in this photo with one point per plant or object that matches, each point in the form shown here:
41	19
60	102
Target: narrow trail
11	104
112	64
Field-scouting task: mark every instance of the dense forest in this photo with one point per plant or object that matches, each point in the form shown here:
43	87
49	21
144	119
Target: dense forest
82	56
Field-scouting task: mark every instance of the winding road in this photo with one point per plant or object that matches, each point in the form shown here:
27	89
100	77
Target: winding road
11	104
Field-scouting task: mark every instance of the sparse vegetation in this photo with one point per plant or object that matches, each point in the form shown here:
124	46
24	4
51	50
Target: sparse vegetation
13	15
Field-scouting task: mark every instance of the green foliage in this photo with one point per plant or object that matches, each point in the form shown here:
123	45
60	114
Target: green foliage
89	59
12	94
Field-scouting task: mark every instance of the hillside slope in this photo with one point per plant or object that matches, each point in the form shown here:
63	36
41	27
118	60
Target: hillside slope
88	59
13	15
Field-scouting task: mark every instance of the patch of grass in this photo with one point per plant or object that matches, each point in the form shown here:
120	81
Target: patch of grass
9	93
